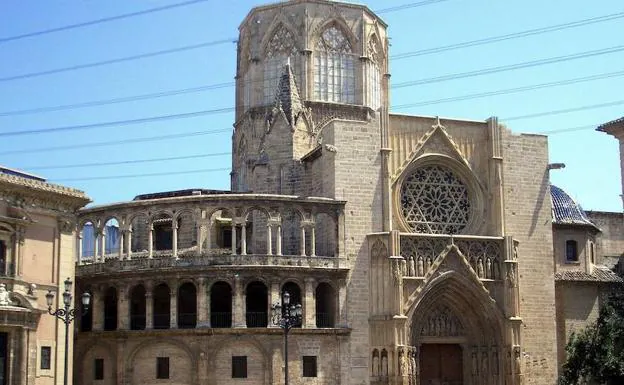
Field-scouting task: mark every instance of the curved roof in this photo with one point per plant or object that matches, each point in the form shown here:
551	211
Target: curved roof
565	210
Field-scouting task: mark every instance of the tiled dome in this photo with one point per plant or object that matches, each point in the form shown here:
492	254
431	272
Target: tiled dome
565	211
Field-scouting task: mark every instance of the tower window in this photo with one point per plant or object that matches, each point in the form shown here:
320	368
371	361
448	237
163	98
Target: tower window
239	366
334	67
571	251
309	366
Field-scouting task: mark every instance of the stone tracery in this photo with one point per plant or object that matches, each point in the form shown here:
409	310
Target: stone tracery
435	200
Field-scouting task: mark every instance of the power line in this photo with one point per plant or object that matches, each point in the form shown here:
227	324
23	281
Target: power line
115	142
516	35
102	102
140	175
133	161
492	70
566	110
511	90
125	176
409	5
115	61
125	122
99	21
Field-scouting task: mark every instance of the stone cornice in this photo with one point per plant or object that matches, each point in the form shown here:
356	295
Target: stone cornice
31	193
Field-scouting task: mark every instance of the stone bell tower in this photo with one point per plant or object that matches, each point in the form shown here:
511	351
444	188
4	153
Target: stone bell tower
302	66
616	128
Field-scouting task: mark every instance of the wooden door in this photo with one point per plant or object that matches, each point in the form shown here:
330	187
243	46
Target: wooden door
441	364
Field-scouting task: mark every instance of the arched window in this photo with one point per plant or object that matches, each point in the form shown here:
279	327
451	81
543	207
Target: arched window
162	307
325	306
137	308
221	305
373	73
110	309
279	49
295	296
257	305
3	258
187	306
334	67
571	251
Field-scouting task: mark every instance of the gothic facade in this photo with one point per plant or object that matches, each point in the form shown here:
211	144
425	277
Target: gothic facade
422	250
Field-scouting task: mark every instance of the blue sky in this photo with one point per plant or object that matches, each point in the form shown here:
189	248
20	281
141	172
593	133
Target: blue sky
592	174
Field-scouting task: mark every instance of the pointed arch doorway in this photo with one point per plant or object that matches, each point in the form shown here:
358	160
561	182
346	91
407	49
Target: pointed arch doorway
456	333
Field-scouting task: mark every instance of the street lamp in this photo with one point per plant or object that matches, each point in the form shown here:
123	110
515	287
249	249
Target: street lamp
66	314
286	318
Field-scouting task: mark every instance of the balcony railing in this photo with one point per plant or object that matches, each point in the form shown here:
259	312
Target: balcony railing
190	259
256	319
324	320
187	320
221	319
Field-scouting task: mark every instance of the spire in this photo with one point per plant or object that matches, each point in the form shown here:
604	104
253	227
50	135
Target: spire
287	95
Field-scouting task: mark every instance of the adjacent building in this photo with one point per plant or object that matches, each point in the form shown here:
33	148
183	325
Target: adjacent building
37	253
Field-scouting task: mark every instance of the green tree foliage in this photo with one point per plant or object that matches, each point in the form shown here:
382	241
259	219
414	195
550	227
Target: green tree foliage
595	355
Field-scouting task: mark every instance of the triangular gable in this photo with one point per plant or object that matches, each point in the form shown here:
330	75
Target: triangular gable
437	142
450	260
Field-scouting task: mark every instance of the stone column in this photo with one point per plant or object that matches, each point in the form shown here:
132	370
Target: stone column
128	240
243	238
103	235
96	237
149	307
208	235
233	237
278	246
150	240
309	304
24	356
302	243
342	304
97	314
269	240
203	318
238	305
123	308
200	244
79	247
312	241
121	245
274	298
173	307
174	229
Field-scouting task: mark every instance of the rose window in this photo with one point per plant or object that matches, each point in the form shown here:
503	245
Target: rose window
435	201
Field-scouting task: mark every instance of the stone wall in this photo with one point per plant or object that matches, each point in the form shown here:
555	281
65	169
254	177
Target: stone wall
528	219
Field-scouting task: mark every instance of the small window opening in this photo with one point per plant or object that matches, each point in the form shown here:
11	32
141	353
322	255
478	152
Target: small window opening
309	366
98	369
239	366
46	357
162	367
571	251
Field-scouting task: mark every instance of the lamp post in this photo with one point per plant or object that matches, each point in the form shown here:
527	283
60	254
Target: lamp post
286	318
66	314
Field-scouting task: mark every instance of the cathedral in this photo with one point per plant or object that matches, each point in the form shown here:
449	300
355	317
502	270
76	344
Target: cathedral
418	250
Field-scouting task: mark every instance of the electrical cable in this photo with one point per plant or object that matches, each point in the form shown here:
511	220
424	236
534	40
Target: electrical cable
515	35
125	176
123	162
99	21
114	142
